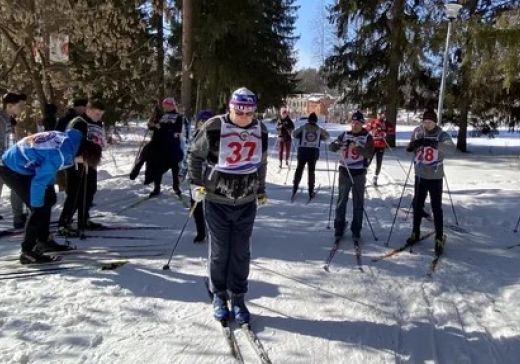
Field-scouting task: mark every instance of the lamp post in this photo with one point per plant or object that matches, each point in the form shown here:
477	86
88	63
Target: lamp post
452	10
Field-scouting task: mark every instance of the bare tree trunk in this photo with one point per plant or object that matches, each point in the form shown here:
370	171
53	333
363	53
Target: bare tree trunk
392	81
187	54
158	23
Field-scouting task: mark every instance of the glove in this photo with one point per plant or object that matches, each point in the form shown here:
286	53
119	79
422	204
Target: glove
430	143
198	193
262	198
414	145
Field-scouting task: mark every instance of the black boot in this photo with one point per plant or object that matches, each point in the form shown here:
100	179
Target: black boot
33	257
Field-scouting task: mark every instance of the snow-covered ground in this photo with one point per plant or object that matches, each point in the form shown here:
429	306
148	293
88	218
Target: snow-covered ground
467	313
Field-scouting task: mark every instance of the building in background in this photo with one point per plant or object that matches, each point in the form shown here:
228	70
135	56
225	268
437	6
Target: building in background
325	106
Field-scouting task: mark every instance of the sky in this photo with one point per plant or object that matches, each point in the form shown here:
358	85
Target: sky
307	14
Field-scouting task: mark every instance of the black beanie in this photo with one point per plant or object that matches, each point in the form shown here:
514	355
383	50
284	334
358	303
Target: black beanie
429	114
313	118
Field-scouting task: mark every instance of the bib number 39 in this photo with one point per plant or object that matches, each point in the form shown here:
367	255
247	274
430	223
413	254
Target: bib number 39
241	152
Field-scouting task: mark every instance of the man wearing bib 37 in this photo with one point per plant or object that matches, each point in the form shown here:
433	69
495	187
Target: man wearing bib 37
429	143
233	147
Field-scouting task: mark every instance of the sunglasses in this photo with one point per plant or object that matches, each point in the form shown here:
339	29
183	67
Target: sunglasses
242	113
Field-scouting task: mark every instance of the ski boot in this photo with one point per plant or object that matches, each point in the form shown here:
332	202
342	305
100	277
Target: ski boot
414	238
51	245
91	225
240	311
374	180
199	239
220	307
439	246
34	257
68	231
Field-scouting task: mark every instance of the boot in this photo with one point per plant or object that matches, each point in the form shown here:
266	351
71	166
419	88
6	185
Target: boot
414	238
156	191
439	246
199	239
33	257
374	180
19	221
68	231
51	246
91	225
280	166
220	308
239	308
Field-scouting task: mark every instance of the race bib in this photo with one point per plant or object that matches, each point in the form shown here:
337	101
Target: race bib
240	149
310	139
426	155
349	156
41	141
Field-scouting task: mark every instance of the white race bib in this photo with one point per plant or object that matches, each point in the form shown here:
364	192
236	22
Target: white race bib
427	155
310	139
349	156
240	149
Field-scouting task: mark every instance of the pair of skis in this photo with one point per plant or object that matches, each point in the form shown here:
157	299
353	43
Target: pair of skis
34	270
252	338
334	250
434	262
229	334
309	200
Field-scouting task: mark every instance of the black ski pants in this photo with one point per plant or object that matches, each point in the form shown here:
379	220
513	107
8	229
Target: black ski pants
304	159
76	199
230	228
37	225
423	187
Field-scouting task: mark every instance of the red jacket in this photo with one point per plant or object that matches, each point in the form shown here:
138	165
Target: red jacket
379	129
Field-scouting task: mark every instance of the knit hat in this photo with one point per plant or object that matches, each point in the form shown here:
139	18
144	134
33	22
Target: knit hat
429	114
358	116
13	98
243	99
313	118
169	102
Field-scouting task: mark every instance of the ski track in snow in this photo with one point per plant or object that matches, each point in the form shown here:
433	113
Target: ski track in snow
390	313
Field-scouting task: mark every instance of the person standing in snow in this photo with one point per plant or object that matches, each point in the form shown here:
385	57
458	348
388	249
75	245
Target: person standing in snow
379	128
164	152
355	148
29	168
234	148
12	106
285	127
79	198
310	136
429	143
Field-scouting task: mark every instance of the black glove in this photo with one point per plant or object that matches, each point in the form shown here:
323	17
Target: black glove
430	143
415	144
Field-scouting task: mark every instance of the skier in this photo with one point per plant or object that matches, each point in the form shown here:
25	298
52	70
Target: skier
234	148
164	151
355	149
198	214
285	127
429	143
29	168
78	197
379	128
310	136
12	106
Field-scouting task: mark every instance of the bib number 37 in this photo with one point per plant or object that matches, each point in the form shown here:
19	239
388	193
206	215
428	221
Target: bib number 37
241	152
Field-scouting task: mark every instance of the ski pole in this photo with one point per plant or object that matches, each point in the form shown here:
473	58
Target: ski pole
332	192
516	227
399	204
190	214
84	207
357	194
451	201
327	159
395	156
141	145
